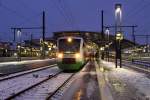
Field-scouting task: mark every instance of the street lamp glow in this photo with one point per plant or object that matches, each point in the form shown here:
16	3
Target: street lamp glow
118	10
107	31
106	46
15	54
18	32
119	36
118	15
49	49
102	48
54	46
19	46
25	51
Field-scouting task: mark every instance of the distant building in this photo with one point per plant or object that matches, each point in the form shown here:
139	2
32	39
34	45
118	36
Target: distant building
5	49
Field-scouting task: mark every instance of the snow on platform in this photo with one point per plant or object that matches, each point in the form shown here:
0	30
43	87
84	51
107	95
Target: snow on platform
137	80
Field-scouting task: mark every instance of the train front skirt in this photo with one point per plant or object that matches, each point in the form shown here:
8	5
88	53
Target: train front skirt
73	67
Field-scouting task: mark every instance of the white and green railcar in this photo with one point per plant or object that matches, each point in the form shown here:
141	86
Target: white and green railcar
70	53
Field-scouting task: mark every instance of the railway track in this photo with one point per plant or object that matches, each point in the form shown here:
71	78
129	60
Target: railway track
59	90
46	95
14	85
136	66
32	86
46	84
10	76
51	88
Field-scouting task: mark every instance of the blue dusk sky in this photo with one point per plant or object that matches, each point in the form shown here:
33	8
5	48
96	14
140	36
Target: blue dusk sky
64	15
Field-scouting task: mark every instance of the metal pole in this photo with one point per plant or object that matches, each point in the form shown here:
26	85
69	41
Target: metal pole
133	35
116	55
14	35
102	24
108	47
147	43
43	28
108	44
120	54
31	44
19	35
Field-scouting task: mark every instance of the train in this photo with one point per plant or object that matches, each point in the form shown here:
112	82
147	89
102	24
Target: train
70	53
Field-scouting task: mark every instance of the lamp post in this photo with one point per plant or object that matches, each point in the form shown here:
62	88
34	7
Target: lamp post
107	33
19	52
119	35
102	52
42	48
19	44
119	38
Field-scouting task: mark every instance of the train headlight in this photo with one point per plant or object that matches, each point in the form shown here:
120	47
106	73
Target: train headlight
77	55
60	55
69	39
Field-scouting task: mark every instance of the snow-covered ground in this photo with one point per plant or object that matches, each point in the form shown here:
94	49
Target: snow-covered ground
131	80
42	91
9	87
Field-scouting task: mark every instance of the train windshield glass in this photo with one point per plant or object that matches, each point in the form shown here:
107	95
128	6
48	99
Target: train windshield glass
73	46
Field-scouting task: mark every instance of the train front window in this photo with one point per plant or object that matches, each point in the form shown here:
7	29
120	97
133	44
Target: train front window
73	46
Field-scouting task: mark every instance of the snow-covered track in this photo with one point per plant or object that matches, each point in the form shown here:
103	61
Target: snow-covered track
32	86
60	88
24	73
14	85
136	66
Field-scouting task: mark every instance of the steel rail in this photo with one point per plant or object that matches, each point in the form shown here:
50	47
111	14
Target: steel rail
32	86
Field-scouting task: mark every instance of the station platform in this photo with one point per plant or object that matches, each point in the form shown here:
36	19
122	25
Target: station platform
124	83
18	66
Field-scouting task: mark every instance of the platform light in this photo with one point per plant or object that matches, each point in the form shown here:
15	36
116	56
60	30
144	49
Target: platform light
107	31
25	51
54	46
69	39
6	50
15	54
37	54
119	36
49	49
60	55
102	48
19	46
19	32
106	46
118	9
47	52
77	55
41	48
